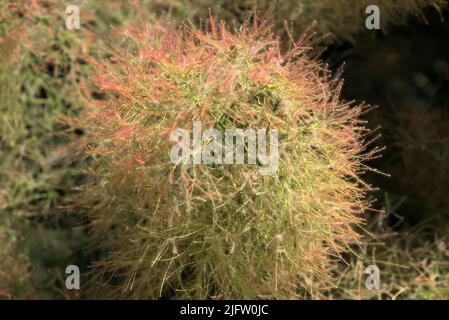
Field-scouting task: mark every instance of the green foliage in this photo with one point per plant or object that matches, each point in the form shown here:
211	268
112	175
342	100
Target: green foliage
41	72
220	231
14	264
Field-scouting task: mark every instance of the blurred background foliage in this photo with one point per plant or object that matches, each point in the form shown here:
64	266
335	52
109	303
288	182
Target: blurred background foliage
42	70
404	68
43	78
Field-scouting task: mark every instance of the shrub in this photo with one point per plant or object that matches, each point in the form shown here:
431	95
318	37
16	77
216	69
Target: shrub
220	231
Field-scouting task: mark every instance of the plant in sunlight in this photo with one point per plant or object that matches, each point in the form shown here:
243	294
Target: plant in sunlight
219	231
